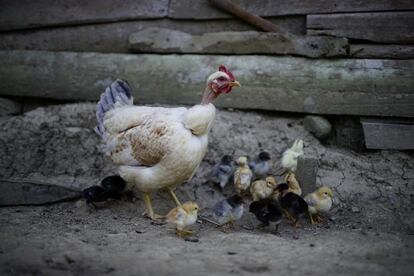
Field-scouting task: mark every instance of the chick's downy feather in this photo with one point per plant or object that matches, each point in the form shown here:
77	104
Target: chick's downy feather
290	156
319	201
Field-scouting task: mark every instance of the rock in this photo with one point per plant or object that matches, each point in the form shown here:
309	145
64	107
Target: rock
355	210
191	239
306	174
160	40
9	107
318	126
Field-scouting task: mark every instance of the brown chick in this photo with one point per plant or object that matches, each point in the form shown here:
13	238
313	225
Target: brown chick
262	189
183	216
293	184
242	176
319	202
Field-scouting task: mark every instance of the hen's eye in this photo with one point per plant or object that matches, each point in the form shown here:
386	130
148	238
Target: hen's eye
221	79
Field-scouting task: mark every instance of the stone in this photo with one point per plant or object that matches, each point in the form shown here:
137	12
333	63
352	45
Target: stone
318	126
306	173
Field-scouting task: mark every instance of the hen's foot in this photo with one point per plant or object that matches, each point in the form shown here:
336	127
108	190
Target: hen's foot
184	233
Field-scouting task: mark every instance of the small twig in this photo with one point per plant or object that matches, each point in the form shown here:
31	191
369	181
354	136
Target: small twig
208	220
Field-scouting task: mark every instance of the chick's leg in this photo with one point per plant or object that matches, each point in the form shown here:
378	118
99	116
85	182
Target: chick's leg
150	211
312	221
174	197
318	218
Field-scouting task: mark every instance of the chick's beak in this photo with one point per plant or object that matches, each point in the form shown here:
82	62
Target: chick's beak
234	84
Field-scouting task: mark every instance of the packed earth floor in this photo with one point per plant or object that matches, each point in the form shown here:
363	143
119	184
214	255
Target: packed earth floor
370	228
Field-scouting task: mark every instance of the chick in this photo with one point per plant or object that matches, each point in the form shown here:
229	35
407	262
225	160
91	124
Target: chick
222	171
293	184
261	166
183	216
290	156
228	210
319	202
261	189
242	176
113	186
268	212
294	206
94	194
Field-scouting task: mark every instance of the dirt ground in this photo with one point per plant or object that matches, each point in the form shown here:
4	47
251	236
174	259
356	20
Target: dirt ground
370	229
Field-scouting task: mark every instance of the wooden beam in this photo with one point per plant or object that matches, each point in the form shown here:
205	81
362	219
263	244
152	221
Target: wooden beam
388	134
201	10
27	14
385	27
381	51
113	37
340	86
160	40
27	193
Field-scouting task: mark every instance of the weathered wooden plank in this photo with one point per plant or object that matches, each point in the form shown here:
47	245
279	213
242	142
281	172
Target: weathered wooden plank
160	40
9	107
25	14
25	193
387	27
201	9
113	37
340	86
388	134
381	51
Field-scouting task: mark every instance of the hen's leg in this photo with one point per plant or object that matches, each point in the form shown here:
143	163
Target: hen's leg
150	211
174	197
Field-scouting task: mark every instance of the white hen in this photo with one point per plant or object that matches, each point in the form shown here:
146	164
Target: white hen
156	147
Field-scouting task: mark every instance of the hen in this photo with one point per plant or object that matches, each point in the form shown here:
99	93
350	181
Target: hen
156	147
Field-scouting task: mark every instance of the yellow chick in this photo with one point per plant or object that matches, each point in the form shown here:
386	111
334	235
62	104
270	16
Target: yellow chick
242	176
262	189
319	202
293	184
183	216
290	156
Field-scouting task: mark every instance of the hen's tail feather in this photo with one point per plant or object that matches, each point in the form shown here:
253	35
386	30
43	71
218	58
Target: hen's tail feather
115	95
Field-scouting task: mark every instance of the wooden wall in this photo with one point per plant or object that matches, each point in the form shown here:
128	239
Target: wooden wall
340	57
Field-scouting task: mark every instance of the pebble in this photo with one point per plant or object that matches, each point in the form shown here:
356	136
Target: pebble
191	239
355	209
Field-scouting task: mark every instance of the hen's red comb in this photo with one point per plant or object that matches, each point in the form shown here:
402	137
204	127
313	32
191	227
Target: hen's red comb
222	68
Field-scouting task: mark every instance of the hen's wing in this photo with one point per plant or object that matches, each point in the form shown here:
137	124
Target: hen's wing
135	135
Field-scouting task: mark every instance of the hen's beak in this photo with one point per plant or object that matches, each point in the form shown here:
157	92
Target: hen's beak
234	84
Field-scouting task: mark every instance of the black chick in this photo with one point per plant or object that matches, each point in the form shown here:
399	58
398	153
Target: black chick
293	205
113	186
268	212
95	194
